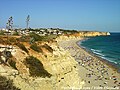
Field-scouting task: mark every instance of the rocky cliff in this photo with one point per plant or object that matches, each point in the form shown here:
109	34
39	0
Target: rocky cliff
59	63
41	66
82	34
93	33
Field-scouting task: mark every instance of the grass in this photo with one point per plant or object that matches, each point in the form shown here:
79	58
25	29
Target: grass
36	67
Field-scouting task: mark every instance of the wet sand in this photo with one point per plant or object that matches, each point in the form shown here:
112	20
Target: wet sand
97	74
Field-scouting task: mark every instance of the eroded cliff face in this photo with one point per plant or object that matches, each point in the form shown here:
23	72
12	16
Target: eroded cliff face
82	34
54	59
93	33
58	63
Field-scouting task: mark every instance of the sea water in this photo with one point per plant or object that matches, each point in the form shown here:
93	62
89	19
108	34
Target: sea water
106	47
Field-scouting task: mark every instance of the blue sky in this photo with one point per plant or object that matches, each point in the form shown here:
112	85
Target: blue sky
99	15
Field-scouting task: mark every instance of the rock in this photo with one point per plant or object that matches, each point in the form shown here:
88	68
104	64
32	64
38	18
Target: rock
2	69
23	70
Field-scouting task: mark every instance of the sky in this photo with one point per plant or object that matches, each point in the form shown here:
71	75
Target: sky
97	15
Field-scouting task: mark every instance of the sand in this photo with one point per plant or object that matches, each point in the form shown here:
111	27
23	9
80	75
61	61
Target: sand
97	74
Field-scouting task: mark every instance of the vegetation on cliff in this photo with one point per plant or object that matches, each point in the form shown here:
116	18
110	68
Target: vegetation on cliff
35	47
2	33
48	48
36	36
36	67
12	62
69	31
6	84
21	46
16	33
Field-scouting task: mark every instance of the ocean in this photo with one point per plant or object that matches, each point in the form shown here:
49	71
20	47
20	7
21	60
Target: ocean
106	47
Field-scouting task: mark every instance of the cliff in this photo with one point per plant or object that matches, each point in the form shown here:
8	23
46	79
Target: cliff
82	34
42	65
94	33
57	62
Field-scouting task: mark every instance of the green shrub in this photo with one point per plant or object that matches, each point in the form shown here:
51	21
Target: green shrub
36	67
36	36
6	84
12	63
48	48
48	37
21	46
36	48
16	33
2	33
24	38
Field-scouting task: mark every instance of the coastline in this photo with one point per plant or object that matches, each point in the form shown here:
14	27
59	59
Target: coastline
112	65
95	72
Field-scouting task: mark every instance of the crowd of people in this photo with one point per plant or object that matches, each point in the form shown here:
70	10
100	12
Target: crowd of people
95	69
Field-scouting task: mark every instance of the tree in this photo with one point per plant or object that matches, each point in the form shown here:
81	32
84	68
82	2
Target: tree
7	54
9	24
27	21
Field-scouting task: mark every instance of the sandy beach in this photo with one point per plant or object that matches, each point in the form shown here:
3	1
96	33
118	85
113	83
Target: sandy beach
97	74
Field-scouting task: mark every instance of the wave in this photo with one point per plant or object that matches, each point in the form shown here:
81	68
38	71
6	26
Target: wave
113	61
96	50
103	56
107	48
110	60
98	53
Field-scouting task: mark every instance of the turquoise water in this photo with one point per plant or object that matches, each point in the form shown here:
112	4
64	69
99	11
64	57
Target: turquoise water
106	47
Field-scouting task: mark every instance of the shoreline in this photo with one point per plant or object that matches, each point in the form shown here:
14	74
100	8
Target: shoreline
112	65
92	69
